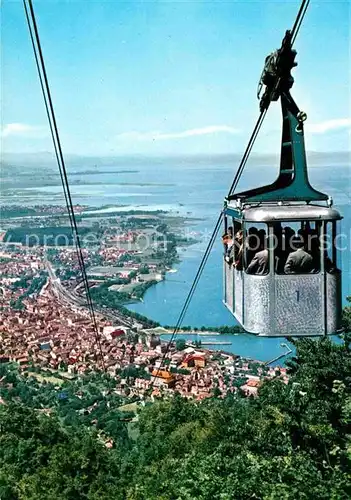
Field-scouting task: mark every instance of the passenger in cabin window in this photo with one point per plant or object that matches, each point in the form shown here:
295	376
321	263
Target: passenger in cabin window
238	250
289	235
262	236
285	242
227	236
299	261
314	246
314	249
228	242
251	244
260	263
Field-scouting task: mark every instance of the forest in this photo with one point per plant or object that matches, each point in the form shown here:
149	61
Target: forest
292	441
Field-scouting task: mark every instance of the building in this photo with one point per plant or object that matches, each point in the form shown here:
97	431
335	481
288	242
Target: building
251	387
163	378
118	333
194	360
153	341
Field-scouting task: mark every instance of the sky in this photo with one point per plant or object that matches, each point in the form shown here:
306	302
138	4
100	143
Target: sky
170	77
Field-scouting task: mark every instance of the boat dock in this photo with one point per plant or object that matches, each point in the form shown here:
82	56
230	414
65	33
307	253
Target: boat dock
288	351
216	343
200	334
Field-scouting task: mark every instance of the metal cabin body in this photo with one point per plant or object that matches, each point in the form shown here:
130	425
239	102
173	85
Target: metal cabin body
278	304
275	303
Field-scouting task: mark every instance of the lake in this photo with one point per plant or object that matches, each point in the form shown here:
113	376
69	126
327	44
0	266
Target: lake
196	188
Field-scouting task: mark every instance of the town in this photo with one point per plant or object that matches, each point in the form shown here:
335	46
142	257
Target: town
175	302
46	322
41	327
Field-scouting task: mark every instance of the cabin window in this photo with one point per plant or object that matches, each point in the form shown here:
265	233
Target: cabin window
255	253
332	247
340	244
227	235
297	247
232	242
237	251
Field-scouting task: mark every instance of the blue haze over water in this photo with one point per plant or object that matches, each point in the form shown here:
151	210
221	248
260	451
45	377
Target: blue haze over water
196	188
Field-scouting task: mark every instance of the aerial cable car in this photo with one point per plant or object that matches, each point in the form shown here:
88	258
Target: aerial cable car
281	271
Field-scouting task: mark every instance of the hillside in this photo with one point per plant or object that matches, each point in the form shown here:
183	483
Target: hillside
293	441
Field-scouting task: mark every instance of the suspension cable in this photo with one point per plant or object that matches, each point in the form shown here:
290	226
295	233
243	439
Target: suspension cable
294	32
295	29
299	19
247	152
52	131
40	64
191	293
48	116
212	240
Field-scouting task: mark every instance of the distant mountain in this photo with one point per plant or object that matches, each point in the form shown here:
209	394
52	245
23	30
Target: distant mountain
24	163
28	160
329	158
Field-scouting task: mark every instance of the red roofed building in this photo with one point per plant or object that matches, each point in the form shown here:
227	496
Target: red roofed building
251	387
194	360
163	378
118	333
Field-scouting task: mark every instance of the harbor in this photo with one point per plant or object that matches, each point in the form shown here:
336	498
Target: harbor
216	343
283	355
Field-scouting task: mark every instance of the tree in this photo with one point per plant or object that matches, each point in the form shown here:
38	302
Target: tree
293	440
346	319
217	392
180	344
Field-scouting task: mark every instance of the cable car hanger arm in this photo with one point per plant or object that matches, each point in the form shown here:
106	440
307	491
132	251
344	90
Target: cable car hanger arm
289	40
292	183
242	164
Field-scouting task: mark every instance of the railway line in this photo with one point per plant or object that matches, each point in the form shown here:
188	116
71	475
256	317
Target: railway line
71	298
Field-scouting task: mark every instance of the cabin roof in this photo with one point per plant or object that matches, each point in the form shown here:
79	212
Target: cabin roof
271	213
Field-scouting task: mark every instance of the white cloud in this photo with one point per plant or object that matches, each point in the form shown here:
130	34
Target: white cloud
194	132
329	125
22	130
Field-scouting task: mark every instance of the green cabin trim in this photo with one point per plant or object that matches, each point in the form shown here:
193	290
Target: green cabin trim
233	212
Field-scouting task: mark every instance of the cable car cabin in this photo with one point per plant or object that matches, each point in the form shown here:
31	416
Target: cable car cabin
281	271
271	287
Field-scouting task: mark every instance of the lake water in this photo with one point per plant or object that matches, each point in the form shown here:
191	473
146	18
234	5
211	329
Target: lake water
197	189
248	346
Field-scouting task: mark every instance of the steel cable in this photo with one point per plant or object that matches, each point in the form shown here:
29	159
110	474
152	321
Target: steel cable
294	32
299	19
45	88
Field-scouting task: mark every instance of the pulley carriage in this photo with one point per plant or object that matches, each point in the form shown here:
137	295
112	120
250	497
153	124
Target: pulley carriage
288	282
